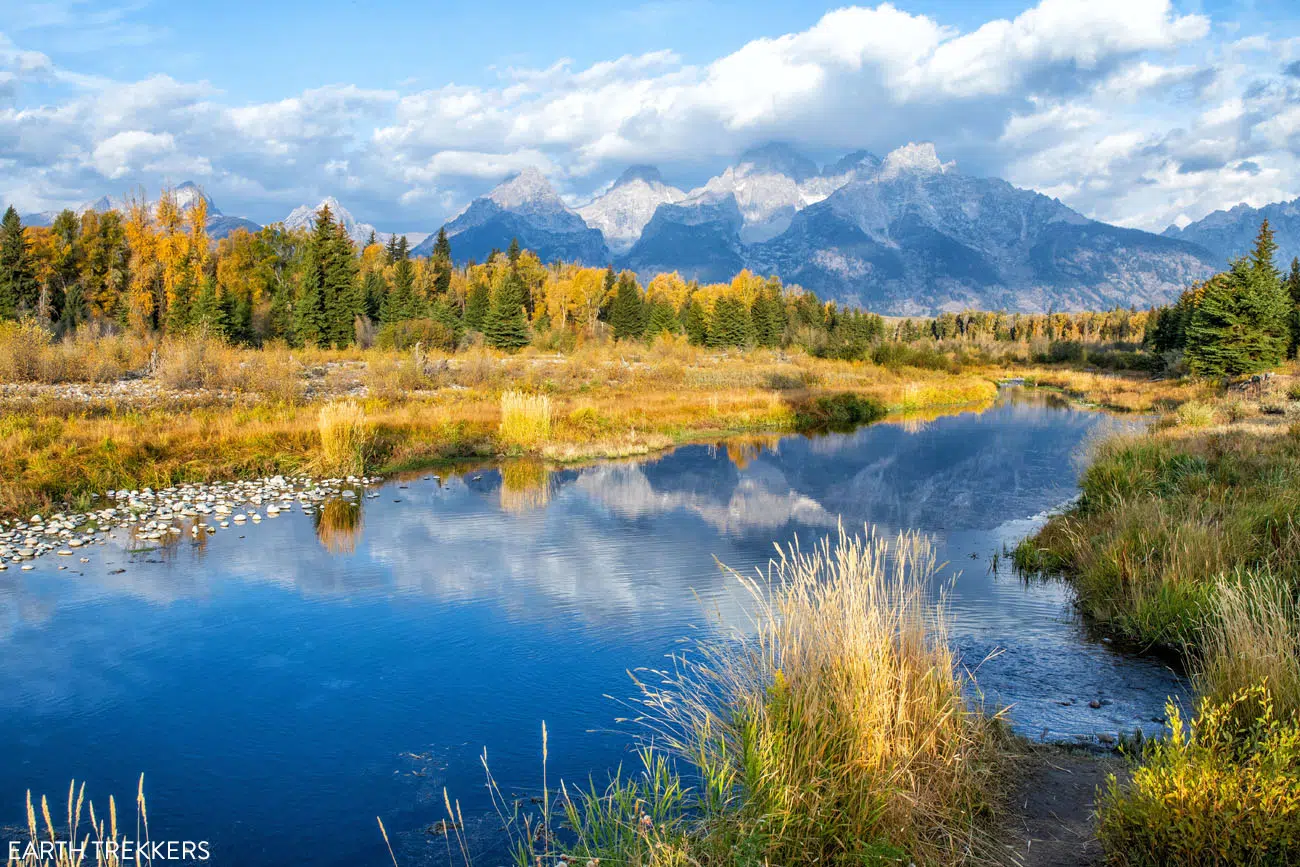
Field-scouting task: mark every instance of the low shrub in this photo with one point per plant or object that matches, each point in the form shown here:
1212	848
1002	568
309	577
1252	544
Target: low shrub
429	333
838	412
1223	790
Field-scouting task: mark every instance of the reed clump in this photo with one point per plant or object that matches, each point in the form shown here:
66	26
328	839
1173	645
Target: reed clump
103	844
525	420
831	729
345	438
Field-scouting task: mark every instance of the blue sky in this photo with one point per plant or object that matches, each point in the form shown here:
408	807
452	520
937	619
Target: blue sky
1141	112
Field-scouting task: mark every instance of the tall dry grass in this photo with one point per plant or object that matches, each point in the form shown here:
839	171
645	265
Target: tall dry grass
1254	639
525	420
104	844
345	436
829	729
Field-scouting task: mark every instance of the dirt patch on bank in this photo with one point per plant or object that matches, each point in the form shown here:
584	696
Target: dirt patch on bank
1050	821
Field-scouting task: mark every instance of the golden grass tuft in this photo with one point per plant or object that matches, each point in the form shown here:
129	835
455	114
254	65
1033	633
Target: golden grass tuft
525	420
833	728
1194	413
104	844
345	435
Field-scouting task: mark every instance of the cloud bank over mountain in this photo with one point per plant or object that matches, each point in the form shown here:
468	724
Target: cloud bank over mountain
1127	110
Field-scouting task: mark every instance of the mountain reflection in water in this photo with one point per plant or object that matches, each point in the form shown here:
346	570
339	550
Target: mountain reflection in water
282	684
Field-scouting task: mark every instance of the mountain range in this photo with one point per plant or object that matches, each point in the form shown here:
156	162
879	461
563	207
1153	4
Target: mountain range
903	234
1231	233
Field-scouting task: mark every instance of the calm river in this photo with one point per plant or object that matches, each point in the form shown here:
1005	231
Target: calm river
283	684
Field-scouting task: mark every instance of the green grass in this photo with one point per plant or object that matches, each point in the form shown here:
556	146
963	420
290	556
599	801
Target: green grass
1162	517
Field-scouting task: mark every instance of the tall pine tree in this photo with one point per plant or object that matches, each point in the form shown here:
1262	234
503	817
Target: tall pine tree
627	314
310	323
18	287
477	305
507	326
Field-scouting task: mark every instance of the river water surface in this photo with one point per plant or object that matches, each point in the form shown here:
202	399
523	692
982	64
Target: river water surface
280	685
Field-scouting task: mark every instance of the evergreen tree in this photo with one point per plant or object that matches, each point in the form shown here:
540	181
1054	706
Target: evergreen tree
311	325
627	314
662	319
208	314
18	288
375	288
179	310
1241	323
1292	285
512	253
65	278
477	305
440	262
694	323
279	317
371	240
402	302
607	298
238	313
507	327
731	324
444	312
344	295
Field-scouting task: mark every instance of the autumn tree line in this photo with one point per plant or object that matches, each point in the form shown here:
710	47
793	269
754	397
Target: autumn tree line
153	268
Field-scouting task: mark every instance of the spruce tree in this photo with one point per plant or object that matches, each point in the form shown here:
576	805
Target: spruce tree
512	253
1292	286
179	318
694	323
507	327
627	315
311	324
1242	321
440	262
18	288
375	288
662	319
208	314
477	305
731	324
344	295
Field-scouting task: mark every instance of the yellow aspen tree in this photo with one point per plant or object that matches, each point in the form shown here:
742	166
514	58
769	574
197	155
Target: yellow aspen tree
145	267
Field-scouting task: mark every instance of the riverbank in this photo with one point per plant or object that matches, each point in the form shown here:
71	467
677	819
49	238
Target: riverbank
1185	539
205	412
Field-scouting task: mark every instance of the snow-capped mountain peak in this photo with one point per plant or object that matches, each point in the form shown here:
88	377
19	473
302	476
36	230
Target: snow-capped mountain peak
917	158
304	217
622	212
530	186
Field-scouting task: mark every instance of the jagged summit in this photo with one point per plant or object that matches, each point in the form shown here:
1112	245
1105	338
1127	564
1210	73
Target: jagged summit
913	158
622	212
528	186
776	158
1231	233
649	174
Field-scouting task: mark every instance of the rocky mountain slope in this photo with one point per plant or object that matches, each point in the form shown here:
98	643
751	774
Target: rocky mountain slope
525	207
909	235
622	212
1229	234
